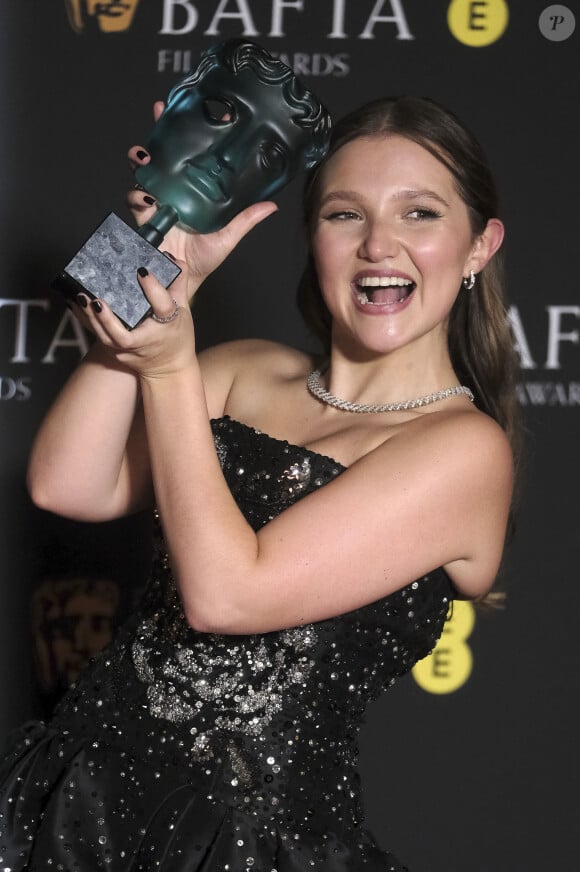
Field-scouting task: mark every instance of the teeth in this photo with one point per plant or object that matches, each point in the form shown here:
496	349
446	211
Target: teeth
366	286
383	282
366	301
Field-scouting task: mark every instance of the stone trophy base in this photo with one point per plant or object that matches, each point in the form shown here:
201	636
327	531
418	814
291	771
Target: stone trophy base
106	267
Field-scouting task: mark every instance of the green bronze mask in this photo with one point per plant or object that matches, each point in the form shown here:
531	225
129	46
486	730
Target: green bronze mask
234	132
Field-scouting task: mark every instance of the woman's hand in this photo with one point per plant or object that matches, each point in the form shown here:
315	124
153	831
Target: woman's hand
156	348
201	253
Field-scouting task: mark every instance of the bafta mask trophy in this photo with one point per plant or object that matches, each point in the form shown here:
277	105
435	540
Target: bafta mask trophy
234	132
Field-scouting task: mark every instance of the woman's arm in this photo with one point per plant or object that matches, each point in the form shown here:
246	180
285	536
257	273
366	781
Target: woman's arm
89	460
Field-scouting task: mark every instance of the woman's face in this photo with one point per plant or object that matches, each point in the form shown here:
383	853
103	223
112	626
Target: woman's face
392	242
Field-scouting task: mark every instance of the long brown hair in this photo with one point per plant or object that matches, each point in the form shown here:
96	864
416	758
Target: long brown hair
480	342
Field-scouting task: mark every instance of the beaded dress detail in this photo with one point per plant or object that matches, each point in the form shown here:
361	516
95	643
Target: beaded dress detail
182	751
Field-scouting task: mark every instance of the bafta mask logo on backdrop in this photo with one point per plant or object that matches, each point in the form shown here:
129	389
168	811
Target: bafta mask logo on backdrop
72	620
477	22
110	16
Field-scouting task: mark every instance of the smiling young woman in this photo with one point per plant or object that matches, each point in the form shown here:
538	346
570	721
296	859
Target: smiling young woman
392	242
480	343
315	518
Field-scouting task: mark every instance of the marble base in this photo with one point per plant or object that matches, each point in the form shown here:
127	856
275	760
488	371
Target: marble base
106	267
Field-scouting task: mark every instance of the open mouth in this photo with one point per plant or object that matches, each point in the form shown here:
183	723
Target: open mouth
383	290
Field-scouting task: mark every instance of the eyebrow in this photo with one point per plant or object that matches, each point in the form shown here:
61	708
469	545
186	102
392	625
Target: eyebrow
406	194
411	194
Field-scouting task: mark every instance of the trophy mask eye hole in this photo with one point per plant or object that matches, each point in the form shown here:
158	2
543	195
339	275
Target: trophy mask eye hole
272	157
218	111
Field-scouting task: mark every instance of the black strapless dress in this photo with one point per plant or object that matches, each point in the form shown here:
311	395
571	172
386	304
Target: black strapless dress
189	752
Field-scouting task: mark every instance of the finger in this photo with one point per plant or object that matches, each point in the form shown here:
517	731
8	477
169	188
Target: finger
138	156
78	306
162	301
141	204
92	318
139	200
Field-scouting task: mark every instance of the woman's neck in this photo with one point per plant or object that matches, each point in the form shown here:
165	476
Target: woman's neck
400	375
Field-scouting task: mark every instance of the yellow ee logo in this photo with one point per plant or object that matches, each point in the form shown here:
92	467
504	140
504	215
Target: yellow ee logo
450	663
477	22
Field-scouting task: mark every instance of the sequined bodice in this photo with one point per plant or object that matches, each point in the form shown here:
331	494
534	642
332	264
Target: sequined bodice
266	723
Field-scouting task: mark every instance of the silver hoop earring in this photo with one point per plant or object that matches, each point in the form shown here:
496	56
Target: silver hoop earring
469	283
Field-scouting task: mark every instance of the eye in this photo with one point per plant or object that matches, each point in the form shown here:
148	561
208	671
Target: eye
422	214
342	215
272	157
218	110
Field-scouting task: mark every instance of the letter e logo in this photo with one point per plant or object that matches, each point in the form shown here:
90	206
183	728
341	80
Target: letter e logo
449	665
477	22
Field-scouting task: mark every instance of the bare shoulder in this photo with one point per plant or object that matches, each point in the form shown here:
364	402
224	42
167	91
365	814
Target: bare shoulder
244	354
467	447
485	449
245	363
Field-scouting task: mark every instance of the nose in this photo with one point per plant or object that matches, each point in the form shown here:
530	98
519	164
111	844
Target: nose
232	152
379	241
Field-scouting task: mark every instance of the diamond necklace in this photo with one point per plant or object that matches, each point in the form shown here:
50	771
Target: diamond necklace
316	389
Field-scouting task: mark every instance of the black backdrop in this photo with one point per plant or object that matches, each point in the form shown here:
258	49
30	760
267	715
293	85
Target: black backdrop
475	768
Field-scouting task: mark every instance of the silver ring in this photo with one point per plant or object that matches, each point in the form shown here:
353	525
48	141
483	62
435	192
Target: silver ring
168	318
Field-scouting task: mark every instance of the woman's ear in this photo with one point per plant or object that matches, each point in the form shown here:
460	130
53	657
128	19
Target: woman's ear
486	245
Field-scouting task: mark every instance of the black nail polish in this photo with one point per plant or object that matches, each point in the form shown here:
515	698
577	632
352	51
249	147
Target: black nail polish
143	272
96	306
82	301
168	254
142	154
149	200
